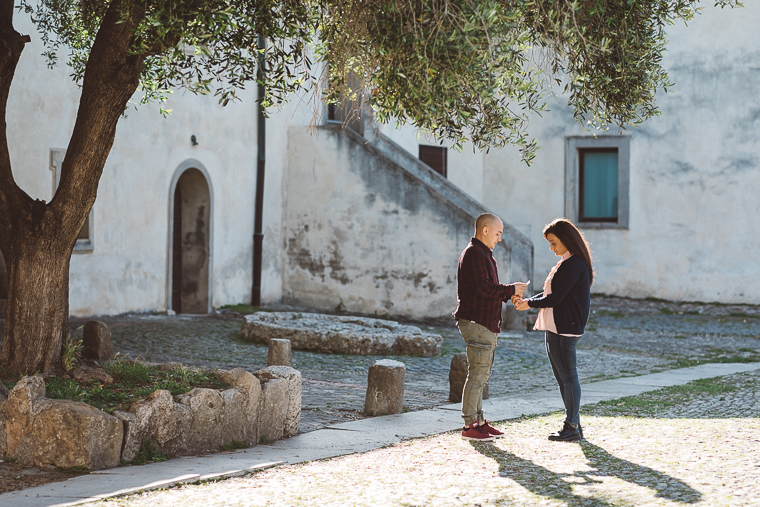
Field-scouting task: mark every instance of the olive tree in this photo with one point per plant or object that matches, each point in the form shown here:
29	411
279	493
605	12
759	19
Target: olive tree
464	70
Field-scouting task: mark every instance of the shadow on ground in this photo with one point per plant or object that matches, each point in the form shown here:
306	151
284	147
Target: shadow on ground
560	486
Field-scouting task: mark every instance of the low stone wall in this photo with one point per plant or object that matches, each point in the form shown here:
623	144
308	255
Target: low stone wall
340	334
263	406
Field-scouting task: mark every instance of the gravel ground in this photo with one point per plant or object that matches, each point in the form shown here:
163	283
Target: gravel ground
662	453
624	337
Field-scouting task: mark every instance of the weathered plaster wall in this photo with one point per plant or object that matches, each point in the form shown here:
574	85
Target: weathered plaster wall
694	174
372	233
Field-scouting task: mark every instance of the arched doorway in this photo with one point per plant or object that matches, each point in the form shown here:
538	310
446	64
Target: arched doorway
190	240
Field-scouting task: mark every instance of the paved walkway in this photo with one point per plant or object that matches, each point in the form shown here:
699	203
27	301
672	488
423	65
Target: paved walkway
365	435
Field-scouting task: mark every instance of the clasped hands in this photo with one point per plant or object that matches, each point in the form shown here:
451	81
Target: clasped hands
517	300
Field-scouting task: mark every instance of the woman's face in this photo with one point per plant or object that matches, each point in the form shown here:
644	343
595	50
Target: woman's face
555	245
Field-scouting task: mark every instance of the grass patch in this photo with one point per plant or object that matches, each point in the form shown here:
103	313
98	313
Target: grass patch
233	446
662	399
148	453
133	381
666	311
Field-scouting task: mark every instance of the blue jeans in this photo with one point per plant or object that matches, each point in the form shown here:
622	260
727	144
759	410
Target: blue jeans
561	352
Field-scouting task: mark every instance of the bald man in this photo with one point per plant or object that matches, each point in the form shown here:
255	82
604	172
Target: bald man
478	315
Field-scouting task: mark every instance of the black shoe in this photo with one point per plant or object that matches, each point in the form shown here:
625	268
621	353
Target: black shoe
569	433
580	430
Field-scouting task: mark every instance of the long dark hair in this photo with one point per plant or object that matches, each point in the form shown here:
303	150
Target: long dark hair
573	240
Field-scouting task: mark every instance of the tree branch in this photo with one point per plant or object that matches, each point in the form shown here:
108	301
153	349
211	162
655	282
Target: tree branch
111	78
11	196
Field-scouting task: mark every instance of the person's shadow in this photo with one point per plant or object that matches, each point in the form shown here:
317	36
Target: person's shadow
544	482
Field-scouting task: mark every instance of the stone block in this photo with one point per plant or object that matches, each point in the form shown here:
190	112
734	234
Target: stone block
163	421
293	412
458	376
340	334
96	341
235	418
250	387
279	353
385	388
206	421
132	435
69	434
20	409
273	409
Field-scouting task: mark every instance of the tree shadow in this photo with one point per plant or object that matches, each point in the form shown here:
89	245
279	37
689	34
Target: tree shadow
544	482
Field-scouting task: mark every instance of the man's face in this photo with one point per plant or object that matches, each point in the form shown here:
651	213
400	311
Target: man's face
492	234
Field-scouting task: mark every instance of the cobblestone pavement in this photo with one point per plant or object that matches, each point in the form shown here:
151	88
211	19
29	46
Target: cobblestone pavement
696	444
624	337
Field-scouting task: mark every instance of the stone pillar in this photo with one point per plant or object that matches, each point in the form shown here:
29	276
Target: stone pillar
385	388
279	353
457	377
96	341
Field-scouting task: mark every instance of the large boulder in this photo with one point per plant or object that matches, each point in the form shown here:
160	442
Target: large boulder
96	341
20	409
70	434
206	420
163	421
292	422
250	388
133	436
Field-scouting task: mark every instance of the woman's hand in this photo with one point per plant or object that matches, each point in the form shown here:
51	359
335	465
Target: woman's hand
520	303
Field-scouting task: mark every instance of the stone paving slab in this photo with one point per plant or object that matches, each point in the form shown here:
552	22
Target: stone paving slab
346	438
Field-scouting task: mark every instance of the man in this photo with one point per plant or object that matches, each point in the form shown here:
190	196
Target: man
478	314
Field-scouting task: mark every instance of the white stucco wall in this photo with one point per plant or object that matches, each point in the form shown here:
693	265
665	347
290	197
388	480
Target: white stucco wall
694	174
128	267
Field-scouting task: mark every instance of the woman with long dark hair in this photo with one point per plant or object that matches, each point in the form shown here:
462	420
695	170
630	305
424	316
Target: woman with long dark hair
564	309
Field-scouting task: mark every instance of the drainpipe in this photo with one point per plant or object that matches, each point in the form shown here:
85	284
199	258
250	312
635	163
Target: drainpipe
258	235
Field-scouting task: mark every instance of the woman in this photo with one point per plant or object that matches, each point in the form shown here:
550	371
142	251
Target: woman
564	308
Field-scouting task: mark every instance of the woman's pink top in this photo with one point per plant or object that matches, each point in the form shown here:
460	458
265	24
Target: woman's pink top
545	320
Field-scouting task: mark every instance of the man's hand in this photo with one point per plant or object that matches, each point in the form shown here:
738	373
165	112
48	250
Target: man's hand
520	288
520	303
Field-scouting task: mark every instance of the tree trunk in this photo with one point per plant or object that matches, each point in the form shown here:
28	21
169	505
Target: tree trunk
36	238
38	305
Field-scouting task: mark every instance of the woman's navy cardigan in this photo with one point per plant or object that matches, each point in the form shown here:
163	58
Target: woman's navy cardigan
570	297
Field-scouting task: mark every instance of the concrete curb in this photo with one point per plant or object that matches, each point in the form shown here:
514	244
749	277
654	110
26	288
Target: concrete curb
347	438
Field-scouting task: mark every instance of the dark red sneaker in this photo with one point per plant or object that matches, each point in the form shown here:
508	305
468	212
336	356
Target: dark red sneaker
491	430
475	432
